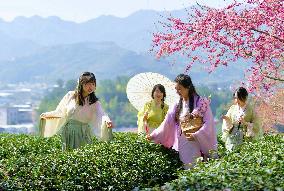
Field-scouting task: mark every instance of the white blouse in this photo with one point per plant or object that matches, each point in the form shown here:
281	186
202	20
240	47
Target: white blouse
185	109
92	114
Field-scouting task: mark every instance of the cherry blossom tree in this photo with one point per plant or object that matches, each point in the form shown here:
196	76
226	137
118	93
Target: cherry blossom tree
271	110
252	30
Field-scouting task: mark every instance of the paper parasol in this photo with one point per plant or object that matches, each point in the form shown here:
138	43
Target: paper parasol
139	89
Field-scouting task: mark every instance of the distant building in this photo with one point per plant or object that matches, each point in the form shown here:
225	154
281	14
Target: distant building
16	114
3	116
16	119
17	105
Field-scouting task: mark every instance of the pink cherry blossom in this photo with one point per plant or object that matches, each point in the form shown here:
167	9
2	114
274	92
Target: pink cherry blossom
203	105
253	31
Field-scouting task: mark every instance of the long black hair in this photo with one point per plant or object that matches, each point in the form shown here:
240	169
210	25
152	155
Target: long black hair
163	90
85	77
241	93
186	82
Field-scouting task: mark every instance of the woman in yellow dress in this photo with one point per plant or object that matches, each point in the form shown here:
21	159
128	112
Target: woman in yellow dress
154	111
240	121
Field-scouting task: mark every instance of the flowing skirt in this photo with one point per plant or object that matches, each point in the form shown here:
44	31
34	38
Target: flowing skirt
188	151
75	134
234	139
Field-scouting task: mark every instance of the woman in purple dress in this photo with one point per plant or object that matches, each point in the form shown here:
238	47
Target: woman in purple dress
188	126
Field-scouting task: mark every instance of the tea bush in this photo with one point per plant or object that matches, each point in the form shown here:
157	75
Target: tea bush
256	165
127	162
21	145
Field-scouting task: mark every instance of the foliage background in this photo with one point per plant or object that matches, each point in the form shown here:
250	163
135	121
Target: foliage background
112	94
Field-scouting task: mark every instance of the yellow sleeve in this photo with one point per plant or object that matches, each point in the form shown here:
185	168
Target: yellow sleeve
140	116
165	110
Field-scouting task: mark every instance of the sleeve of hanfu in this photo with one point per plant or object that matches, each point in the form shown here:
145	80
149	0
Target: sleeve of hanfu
60	110
140	122
227	124
50	127
99	123
206	136
165	134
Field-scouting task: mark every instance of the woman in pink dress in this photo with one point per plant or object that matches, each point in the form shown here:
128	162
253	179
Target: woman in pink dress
188	126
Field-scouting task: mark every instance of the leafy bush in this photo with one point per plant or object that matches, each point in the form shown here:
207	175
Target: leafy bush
128	162
21	145
33	163
257	165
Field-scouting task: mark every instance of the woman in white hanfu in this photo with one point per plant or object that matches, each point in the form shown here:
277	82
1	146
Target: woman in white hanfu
78	117
240	121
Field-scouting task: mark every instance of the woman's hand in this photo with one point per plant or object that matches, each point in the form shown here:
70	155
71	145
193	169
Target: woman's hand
44	116
226	118
148	137
229	123
109	124
242	120
189	136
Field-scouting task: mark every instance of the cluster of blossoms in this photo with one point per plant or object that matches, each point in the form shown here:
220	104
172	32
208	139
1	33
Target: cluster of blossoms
203	104
253	31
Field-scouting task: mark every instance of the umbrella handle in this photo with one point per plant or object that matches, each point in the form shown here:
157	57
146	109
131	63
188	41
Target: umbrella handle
147	129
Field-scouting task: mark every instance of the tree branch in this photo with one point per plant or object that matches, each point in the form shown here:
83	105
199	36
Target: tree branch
273	78
263	32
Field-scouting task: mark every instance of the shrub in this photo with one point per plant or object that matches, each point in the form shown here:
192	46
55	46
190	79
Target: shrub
256	165
122	164
21	145
129	162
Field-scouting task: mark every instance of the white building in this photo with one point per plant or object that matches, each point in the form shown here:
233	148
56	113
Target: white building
16	114
16	119
3	116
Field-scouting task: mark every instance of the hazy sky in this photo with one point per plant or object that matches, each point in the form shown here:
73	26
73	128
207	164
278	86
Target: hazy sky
82	10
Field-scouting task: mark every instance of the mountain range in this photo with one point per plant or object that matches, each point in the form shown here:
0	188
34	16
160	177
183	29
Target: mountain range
46	49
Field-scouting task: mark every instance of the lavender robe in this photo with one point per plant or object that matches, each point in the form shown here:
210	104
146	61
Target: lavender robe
205	138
